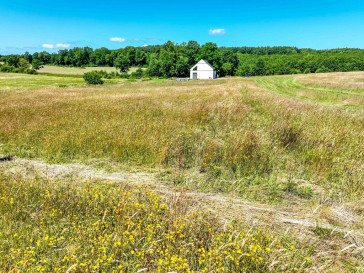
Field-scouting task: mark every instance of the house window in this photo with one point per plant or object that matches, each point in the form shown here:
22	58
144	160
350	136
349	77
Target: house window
195	68
195	76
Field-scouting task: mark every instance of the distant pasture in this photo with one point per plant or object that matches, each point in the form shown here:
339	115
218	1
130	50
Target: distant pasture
50	69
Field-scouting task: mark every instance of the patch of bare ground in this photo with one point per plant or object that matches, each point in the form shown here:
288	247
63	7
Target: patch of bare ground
334	231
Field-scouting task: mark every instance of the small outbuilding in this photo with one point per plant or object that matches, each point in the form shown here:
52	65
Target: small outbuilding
202	71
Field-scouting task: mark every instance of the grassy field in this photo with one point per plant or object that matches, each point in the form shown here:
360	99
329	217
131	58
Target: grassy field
97	227
292	139
50	69
328	88
228	130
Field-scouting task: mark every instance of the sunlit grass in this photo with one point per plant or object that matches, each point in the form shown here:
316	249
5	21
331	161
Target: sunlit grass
236	135
101	227
331	89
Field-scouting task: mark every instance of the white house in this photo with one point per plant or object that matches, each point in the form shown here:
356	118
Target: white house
202	71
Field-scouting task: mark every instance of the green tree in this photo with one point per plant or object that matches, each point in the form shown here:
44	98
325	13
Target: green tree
13	60
191	52
37	64
28	57
122	63
227	69
140	57
23	63
211	53
182	67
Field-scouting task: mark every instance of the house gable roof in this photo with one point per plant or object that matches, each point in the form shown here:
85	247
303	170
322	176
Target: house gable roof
202	61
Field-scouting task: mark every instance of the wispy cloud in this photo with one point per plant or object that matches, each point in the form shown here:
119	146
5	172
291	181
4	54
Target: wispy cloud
136	40
217	31
47	46
51	46
63	45
117	39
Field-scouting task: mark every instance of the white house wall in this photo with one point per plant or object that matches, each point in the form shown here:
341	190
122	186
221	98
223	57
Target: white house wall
203	75
204	71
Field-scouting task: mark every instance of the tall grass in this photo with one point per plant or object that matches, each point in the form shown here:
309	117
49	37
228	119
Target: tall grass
237	135
96	227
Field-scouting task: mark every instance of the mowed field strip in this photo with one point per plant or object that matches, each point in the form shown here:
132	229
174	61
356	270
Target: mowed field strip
327	88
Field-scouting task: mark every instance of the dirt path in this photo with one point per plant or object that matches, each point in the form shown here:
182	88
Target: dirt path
344	228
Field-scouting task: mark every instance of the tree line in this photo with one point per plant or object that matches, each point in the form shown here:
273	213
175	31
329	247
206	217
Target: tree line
175	60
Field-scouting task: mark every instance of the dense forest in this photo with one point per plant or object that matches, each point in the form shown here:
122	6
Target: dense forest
175	60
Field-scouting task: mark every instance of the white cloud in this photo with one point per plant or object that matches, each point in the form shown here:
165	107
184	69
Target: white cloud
117	39
144	45
47	46
63	45
217	31
51	46
136	39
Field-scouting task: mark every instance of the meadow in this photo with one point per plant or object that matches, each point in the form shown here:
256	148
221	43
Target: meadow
237	135
97	227
296	140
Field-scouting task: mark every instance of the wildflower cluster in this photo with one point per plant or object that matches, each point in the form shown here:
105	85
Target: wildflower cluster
101	227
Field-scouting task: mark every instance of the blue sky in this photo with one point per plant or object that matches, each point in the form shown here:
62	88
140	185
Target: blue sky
52	25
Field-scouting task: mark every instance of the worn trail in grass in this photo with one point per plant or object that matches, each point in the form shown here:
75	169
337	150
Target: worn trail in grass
334	232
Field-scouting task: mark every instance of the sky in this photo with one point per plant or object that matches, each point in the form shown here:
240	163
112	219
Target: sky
37	25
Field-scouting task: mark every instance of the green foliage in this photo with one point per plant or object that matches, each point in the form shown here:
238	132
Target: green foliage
307	71
323	69
23	63
37	64
123	63
13	60
12	69
212	54
138	74
174	60
227	69
93	77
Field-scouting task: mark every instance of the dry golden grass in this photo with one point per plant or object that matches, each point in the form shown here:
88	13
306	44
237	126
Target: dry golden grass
340	89
226	135
353	81
229	129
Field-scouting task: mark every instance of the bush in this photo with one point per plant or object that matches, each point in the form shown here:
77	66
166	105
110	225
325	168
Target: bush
12	69
93	77
307	71
138	74
7	68
323	69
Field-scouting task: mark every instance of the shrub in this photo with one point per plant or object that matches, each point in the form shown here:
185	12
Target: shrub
138	74
323	69
93	77
7	68
12	69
